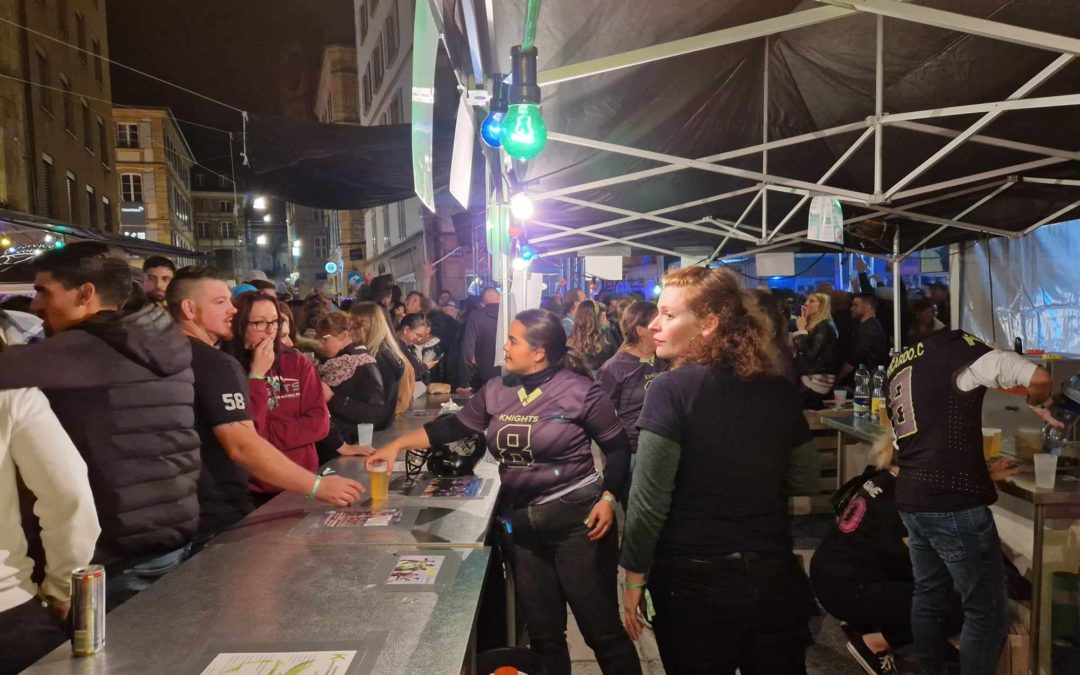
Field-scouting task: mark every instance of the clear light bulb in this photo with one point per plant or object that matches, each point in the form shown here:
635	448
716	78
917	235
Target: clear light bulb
521	206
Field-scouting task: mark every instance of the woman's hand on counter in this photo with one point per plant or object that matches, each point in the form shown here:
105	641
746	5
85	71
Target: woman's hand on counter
338	491
353	450
1002	469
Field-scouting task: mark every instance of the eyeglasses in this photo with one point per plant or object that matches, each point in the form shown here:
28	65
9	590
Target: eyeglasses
262	326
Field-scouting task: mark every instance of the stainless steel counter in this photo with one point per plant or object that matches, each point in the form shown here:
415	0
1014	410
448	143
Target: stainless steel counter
261	595
272	586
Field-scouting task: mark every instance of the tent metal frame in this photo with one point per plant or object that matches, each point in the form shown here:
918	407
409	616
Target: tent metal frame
901	199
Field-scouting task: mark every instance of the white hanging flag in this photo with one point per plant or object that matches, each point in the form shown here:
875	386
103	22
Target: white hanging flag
826	220
461	162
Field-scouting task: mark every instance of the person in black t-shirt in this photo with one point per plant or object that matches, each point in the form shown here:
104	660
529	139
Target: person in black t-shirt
861	572
200	303
708	519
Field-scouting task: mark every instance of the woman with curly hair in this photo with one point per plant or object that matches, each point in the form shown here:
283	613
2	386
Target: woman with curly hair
707	529
590	337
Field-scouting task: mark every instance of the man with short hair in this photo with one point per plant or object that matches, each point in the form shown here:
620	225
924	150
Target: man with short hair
158	271
870	347
478	341
120	383
199	301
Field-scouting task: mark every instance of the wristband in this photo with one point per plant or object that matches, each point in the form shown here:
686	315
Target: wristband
253	376
314	488
633	586
607	498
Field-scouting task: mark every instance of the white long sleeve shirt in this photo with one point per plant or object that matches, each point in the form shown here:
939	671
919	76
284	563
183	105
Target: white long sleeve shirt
998	369
36	447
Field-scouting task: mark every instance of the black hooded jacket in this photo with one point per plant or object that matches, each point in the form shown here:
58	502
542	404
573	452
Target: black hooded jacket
478	344
121	385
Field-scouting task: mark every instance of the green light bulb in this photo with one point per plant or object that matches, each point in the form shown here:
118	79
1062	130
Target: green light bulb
524	133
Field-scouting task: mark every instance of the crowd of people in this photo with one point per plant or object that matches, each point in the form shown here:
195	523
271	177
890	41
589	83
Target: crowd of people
173	405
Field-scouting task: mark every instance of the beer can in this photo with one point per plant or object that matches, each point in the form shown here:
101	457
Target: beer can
88	610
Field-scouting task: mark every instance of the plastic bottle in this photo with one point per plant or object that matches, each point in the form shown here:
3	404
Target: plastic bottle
877	394
862	393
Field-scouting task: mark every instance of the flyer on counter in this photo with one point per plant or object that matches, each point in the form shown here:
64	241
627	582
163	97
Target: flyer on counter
459	487
349	518
415	570
282	663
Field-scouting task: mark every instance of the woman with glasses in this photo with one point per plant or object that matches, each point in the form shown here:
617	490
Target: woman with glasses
286	395
414	331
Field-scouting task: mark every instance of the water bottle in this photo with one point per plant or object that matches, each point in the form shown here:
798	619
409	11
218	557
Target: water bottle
862	393
877	394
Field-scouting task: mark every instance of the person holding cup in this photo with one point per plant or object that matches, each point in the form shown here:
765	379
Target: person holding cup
540	420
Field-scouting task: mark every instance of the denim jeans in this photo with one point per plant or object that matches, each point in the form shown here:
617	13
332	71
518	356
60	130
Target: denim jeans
554	563
958	548
124	580
748	612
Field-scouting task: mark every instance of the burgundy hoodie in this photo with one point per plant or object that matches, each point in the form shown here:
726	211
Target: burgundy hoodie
290	411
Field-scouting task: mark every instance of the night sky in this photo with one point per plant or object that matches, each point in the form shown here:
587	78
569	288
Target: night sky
257	55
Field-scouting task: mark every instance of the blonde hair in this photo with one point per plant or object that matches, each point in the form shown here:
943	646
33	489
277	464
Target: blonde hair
372	329
743	337
824	312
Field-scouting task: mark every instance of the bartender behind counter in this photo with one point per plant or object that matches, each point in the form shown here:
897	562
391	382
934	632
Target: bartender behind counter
540	421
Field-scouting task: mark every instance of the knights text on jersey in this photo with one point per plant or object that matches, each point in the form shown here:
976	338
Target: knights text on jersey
542	439
938	426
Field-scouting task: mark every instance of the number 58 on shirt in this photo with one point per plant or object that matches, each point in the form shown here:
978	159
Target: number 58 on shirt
234	401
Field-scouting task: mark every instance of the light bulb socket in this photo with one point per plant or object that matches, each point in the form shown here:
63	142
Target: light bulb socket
524	88
500	93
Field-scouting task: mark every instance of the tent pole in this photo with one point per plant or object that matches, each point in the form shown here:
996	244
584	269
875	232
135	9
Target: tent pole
897	298
879	103
765	142
1037	103
1025	89
989	140
976	177
1051	218
656	219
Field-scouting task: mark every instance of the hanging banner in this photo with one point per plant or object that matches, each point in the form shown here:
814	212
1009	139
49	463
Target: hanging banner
826	220
461	163
425	51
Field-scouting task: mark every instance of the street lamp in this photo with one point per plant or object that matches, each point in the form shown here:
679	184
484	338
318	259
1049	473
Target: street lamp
267	218
261	240
259	204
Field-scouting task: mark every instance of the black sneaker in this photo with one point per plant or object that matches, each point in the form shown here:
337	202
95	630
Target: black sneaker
874	663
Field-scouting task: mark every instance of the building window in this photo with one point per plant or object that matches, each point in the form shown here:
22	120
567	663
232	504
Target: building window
45	92
48	189
363	20
319	247
223	181
202	230
127	135
88	128
377	59
228	231
374	6
103	143
200	179
99	67
131	187
80	36
367	89
386	226
62	18
69	105
401	220
225	206
91	207
106	214
72	199
393	37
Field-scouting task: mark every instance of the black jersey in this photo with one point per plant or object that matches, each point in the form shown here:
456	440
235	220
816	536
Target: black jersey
938	427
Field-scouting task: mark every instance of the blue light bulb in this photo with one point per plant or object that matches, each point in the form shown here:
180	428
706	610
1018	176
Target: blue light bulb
491	128
527	253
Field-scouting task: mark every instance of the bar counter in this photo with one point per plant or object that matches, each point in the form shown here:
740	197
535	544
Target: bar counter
270	585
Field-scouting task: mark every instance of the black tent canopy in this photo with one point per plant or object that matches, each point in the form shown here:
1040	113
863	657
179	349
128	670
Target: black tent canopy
693	123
